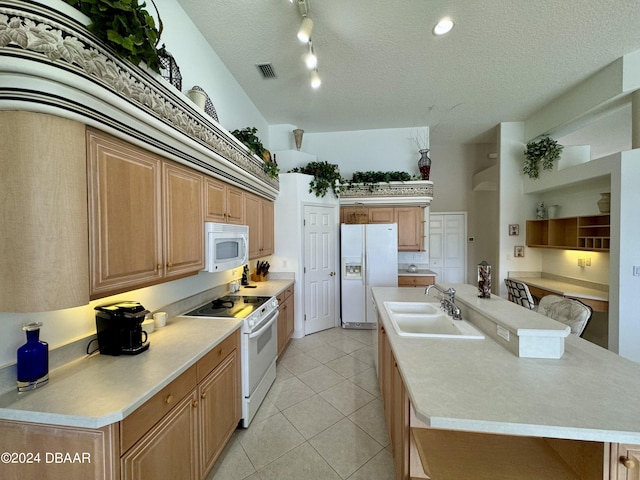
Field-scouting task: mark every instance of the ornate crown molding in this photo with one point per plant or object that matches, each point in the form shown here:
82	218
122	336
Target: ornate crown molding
418	192
59	45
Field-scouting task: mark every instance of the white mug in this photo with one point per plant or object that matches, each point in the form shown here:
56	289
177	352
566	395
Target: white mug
160	319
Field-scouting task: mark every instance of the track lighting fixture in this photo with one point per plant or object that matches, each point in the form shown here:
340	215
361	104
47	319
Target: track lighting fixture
304	33
310	59
315	79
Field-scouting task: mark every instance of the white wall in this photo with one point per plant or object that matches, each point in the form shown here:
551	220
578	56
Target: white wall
366	150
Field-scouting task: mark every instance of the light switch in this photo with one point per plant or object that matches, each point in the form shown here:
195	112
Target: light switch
636	270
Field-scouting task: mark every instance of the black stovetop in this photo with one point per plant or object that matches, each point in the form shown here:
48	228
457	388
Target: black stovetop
230	306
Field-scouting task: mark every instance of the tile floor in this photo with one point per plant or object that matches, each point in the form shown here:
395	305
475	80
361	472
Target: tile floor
322	419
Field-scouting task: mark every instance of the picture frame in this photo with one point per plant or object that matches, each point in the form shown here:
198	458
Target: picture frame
514	229
518	251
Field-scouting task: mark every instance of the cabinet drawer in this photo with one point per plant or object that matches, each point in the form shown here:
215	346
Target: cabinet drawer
415	281
282	296
218	353
139	422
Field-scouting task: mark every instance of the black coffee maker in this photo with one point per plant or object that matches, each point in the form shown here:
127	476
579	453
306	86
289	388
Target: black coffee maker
119	327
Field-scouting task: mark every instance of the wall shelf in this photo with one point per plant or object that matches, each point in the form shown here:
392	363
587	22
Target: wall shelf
591	232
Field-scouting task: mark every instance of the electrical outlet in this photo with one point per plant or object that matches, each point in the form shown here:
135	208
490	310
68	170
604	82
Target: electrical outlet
581	262
636	270
588	261
503	332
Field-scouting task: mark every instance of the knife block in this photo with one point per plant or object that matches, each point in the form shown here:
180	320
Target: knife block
258	278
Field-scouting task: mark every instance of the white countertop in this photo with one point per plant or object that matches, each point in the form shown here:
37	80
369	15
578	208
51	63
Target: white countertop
421	272
478	385
563	288
98	390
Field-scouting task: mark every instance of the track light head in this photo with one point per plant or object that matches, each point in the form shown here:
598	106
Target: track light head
304	33
315	79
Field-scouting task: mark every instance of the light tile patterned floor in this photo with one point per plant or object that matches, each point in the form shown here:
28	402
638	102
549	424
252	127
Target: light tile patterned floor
322	419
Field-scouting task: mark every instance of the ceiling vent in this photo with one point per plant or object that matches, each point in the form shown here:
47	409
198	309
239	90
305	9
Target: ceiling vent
267	70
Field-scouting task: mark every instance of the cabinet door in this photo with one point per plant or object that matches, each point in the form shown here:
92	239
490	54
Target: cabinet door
399	430
215	201
220	408
290	316
235	206
169	450
381	215
384	374
184	220
266	227
626	463
410	222
252	219
125	228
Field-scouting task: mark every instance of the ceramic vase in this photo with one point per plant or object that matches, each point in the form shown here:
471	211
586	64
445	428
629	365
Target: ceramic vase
552	211
424	164
604	204
198	97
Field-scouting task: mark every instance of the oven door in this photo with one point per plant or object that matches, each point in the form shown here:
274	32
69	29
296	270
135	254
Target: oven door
259	352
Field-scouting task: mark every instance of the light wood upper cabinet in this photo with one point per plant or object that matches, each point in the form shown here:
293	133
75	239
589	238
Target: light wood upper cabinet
410	222
145	217
184	233
259	216
223	203
381	215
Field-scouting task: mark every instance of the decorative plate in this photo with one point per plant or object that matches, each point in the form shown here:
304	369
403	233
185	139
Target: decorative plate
209	109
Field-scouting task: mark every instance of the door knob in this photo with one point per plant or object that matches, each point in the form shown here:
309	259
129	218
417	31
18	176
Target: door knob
332	274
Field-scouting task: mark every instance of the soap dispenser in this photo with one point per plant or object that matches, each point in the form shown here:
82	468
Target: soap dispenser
33	359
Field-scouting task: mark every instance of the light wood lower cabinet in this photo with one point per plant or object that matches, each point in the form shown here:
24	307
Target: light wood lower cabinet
285	318
259	216
177	434
186	441
415	280
145	217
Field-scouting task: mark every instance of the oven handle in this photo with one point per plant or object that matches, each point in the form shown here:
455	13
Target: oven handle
270	322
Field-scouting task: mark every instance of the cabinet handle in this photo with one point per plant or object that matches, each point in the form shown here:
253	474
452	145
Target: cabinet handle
204	395
169	399
170	264
629	463
195	404
158	266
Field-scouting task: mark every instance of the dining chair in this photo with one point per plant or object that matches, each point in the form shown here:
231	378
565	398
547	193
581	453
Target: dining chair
570	311
519	293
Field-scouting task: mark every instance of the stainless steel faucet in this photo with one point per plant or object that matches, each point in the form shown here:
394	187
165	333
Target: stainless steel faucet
447	302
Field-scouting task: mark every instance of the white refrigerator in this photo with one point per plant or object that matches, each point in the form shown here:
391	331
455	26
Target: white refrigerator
369	259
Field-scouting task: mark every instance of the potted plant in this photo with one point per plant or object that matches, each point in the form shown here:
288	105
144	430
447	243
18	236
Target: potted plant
325	175
372	179
126	26
250	139
545	150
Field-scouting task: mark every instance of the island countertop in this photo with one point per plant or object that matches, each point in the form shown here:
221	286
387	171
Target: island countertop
478	385
97	390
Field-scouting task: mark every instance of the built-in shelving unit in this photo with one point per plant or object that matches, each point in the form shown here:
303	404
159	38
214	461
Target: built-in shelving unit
574	233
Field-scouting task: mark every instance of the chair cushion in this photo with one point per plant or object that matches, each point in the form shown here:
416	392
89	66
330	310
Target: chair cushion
571	312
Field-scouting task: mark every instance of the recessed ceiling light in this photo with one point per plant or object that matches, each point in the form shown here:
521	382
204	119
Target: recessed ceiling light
443	26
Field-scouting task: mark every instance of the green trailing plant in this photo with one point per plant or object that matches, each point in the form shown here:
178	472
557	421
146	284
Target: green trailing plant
271	169
325	176
372	179
545	150
126	26
250	139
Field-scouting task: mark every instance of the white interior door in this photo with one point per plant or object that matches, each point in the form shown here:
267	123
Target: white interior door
447	247
320	267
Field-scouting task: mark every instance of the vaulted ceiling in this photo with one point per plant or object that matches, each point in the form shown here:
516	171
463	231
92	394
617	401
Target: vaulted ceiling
381	66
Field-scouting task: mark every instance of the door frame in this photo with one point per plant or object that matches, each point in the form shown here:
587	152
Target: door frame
336	286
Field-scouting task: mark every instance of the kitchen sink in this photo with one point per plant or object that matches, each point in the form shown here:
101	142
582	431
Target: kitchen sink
421	319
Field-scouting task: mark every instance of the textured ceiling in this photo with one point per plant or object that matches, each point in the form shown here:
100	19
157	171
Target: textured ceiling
382	68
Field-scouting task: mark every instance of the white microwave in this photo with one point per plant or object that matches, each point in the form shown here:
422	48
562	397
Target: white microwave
226	246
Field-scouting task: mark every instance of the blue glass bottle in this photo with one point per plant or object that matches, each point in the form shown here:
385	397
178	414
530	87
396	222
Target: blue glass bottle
33	359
